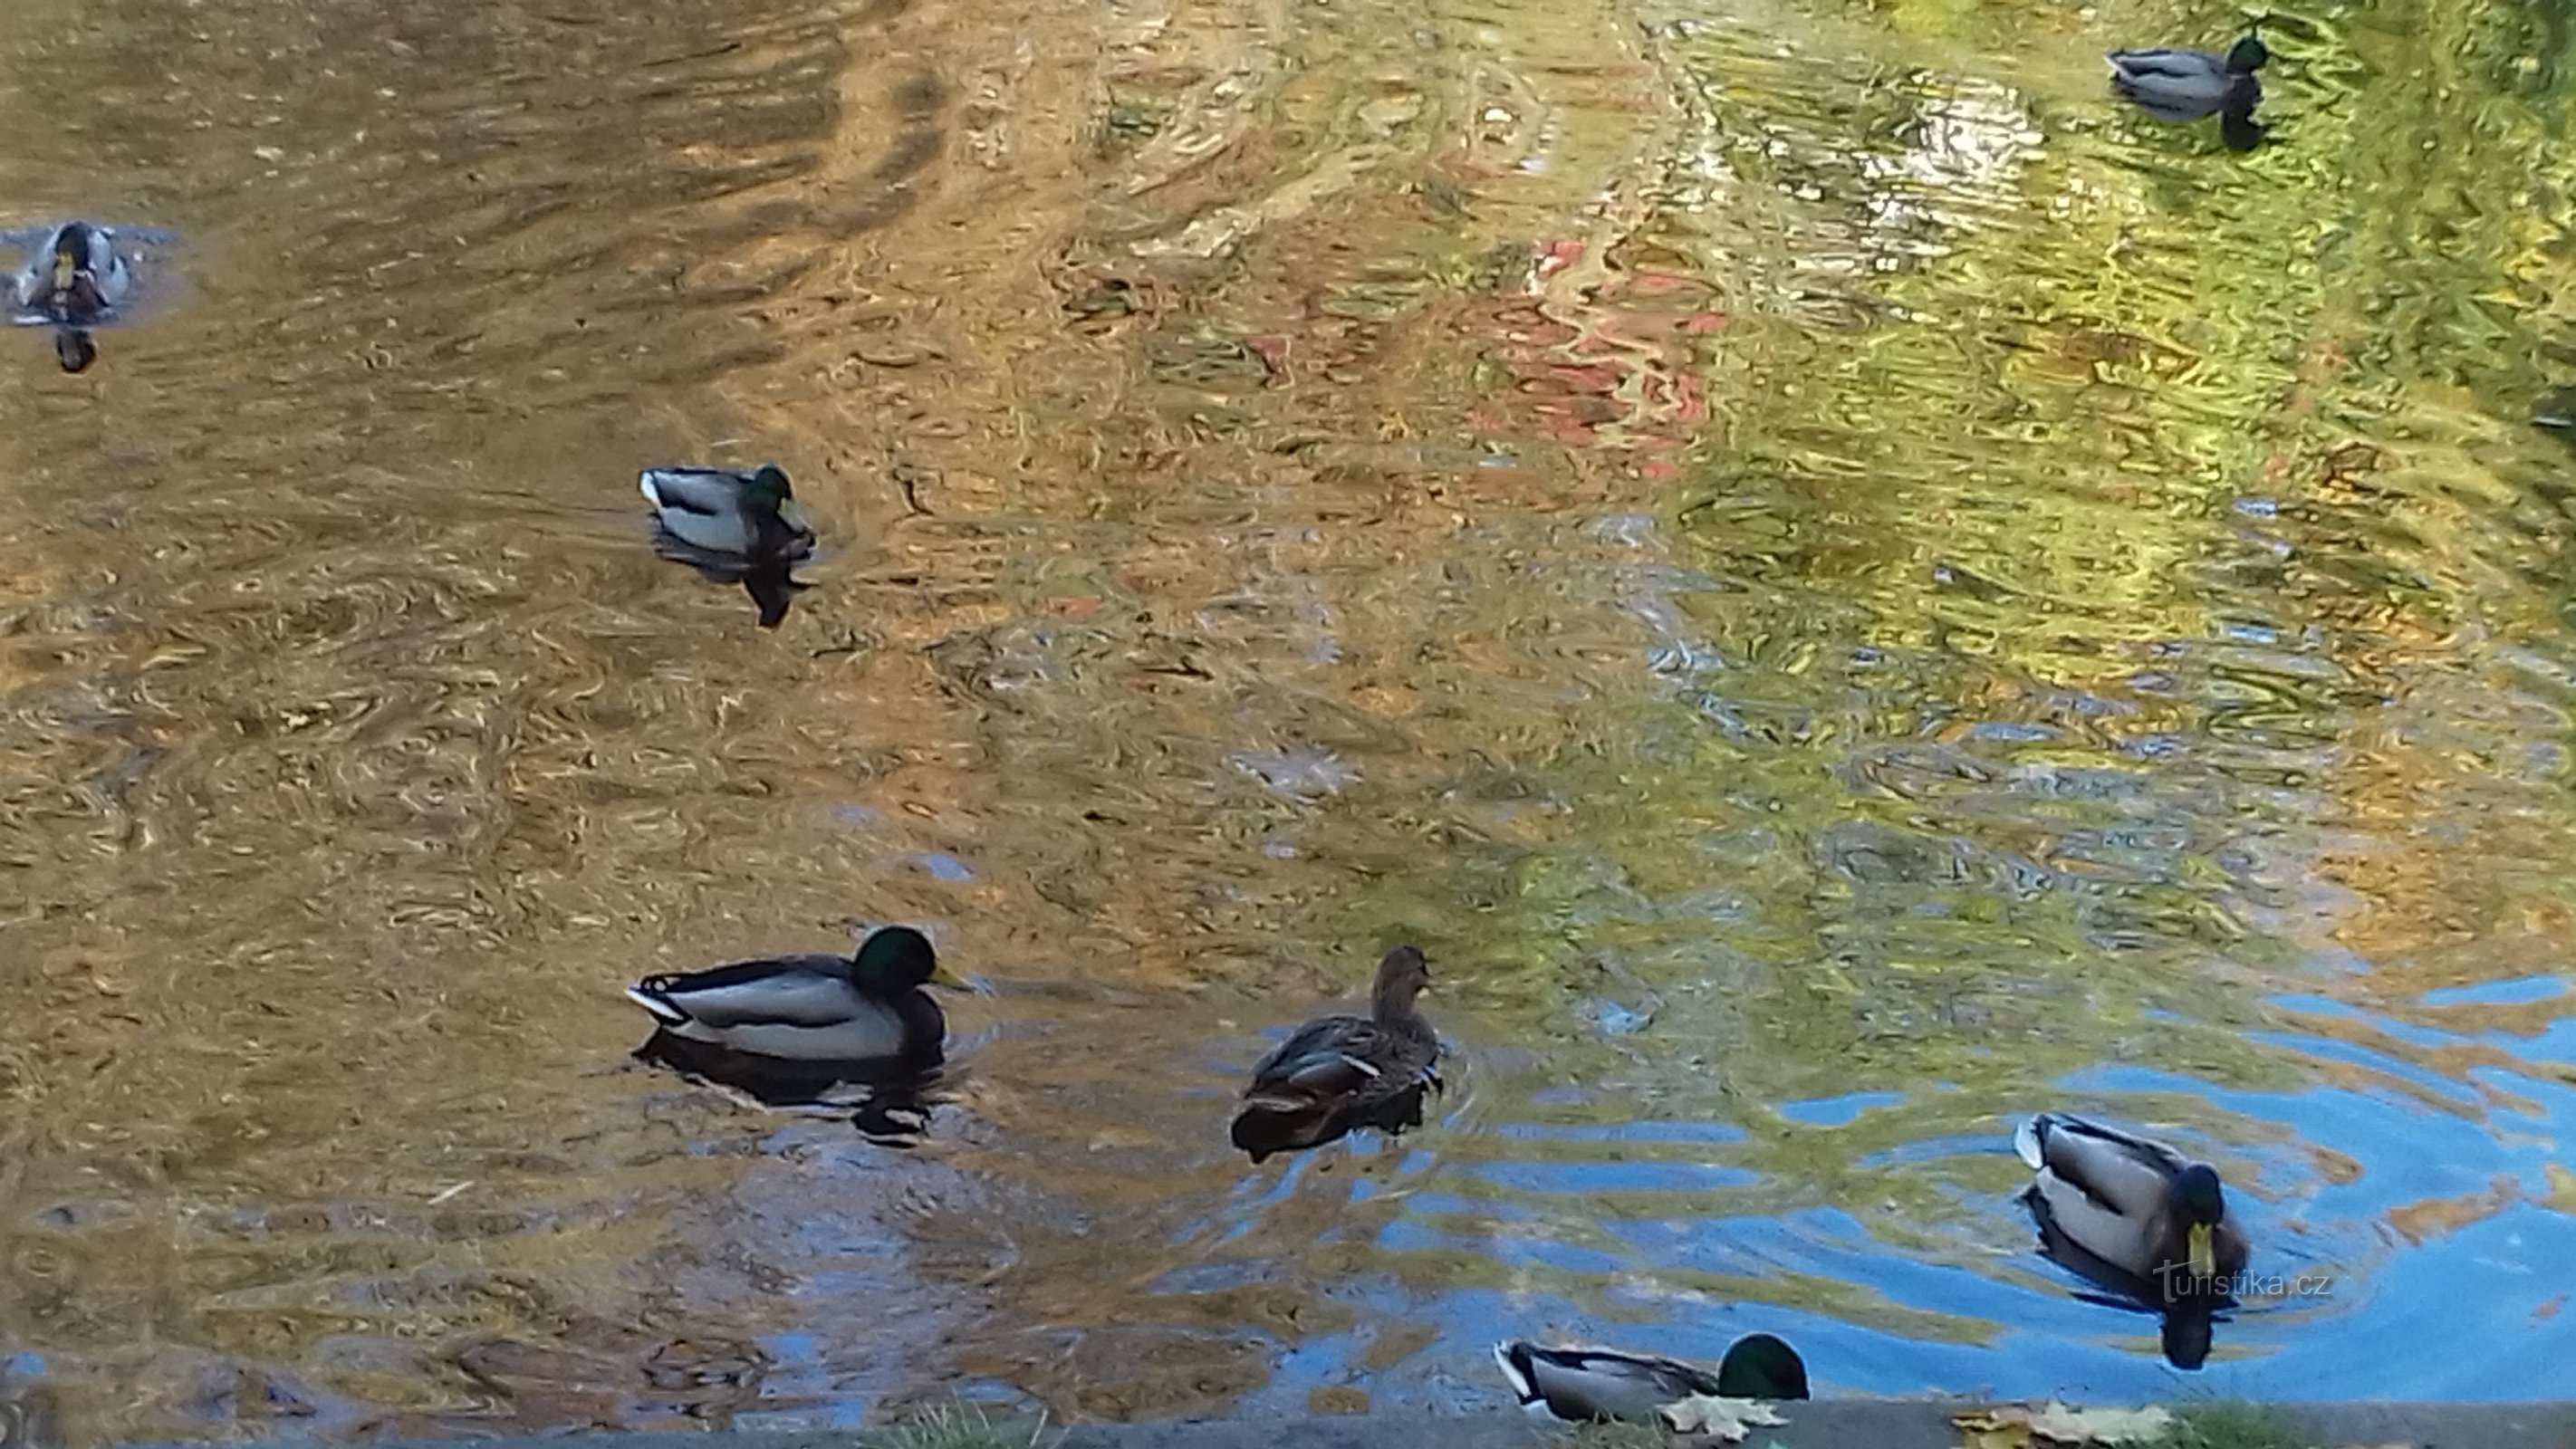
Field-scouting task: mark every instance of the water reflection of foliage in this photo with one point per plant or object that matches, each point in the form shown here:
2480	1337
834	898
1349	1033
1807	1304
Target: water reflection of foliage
2037	651
2125	590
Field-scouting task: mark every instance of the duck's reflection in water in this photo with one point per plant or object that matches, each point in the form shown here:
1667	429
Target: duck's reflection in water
888	1102
2187	1325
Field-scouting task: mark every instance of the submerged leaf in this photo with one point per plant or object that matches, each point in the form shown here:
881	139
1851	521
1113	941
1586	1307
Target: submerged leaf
1988	1431
2100	1426
2012	1425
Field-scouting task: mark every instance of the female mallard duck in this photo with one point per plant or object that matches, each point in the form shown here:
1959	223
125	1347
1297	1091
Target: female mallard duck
867	1009
1339	1072
1586	1384
2185	85
733	527
2137	1206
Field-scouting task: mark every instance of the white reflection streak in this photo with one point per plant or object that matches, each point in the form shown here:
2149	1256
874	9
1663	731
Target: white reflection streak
1971	145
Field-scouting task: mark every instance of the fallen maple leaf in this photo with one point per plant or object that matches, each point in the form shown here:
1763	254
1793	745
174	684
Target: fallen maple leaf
1725	1420
2055	1421
2057	1424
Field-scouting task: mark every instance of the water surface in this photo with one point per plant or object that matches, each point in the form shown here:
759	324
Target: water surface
1845	588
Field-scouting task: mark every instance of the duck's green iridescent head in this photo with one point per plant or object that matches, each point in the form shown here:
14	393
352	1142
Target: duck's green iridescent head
897	958
767	492
1760	1366
2195	1198
2248	54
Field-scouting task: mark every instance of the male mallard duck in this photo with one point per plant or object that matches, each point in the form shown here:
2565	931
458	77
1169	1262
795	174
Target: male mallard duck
1585	1384
2185	85
869	1008
2138	1206
1339	1072
733	527
75	278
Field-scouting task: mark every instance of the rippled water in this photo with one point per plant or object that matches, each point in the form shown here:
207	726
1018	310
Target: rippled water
1845	587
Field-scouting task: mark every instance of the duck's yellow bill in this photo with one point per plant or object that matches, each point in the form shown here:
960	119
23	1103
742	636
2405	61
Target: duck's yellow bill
940	975
793	516
2204	1257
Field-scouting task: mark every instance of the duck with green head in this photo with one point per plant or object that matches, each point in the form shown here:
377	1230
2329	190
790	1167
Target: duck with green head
75	277
74	280
733	527
811	1008
1589	1384
2172	84
2154	1217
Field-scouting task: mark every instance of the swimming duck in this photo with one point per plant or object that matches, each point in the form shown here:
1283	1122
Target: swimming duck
1586	1384
868	1008
733	527
2185	85
2138	1206
1339	1072
75	278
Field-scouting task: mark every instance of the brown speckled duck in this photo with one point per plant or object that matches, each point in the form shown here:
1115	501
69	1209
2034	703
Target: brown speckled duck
1339	1072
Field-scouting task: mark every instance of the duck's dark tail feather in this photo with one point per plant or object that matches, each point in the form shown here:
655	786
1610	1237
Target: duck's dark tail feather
1260	1130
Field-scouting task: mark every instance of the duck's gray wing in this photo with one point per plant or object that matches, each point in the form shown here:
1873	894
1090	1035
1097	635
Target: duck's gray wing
701	507
796	991
2102	1188
1593	1383
706	492
2168	63
2172	85
2129	1174
31	287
